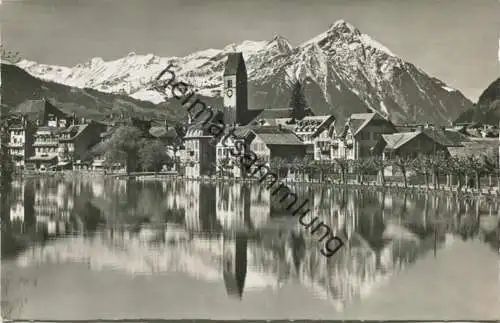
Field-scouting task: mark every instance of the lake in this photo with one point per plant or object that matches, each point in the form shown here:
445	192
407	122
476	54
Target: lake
104	248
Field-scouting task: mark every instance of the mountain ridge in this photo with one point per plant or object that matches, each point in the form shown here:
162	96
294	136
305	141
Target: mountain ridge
344	71
487	108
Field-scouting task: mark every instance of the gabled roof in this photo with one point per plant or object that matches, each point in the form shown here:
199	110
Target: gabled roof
314	124
74	130
357	121
396	140
235	62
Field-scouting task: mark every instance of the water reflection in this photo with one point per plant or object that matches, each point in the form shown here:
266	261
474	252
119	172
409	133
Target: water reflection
235	234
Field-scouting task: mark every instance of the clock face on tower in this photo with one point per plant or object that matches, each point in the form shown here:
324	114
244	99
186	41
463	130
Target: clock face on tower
229	93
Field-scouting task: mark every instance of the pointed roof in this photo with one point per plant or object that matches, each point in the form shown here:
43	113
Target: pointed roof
235	62
357	121
396	140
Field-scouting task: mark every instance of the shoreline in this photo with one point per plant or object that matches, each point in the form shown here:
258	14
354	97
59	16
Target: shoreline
486	191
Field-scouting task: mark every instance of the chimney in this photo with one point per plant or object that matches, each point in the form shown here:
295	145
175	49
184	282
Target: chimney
166	124
37	123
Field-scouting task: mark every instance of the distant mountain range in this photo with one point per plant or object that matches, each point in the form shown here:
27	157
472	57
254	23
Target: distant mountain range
343	70
487	108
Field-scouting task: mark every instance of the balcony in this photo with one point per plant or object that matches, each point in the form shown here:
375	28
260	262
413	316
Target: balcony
46	143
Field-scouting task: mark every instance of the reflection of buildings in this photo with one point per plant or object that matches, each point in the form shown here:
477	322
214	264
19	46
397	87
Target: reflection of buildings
53	205
175	199
21	206
234	260
200	206
260	205
233	206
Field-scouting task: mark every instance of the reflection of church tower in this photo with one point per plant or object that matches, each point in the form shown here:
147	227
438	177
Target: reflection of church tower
235	90
234	262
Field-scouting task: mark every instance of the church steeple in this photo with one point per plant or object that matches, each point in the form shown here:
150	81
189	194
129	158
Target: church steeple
235	90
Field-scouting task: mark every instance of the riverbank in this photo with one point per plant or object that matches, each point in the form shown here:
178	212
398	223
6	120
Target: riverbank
487	191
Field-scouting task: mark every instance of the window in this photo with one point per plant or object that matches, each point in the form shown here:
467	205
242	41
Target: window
229	83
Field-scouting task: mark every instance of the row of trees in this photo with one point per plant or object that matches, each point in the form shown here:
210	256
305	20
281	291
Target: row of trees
429	168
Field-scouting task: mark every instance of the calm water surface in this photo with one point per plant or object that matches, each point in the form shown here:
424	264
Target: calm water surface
107	248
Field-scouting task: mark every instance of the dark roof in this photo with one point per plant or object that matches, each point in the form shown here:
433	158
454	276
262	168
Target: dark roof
445	138
235	61
33	108
74	131
280	138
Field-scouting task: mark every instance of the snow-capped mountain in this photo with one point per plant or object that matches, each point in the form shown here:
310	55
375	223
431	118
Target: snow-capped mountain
344	71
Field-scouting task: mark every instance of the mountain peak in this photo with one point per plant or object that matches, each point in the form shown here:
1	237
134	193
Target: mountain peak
279	43
344	27
339	30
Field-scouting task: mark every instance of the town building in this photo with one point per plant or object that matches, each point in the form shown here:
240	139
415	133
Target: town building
408	144
51	123
235	105
272	142
46	148
360	134
76	142
227	164
21	135
199	154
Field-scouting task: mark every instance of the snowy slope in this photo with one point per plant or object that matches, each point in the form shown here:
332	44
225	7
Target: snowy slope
344	71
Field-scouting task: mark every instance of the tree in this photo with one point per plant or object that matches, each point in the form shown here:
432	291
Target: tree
153	155
122	147
343	166
277	164
379	164
474	166
403	163
324	167
298	101
457	168
421	165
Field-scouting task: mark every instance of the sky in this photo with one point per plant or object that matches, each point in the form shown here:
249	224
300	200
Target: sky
454	40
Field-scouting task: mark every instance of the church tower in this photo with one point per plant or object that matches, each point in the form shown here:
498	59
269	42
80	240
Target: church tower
235	90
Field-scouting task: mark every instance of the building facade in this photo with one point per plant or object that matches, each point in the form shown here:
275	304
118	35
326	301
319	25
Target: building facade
21	135
360	134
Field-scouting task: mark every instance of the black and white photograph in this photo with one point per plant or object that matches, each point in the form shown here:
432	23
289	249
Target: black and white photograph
242	160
